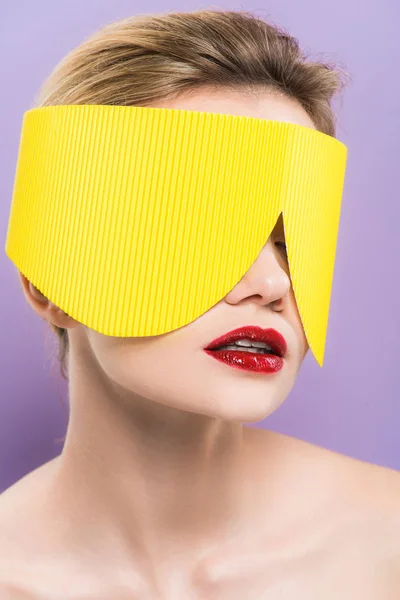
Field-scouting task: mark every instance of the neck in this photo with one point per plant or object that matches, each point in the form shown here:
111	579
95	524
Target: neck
149	477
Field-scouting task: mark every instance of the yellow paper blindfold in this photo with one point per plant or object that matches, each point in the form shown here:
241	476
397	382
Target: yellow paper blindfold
135	221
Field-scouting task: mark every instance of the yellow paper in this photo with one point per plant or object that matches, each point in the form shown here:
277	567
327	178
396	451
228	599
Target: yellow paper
135	221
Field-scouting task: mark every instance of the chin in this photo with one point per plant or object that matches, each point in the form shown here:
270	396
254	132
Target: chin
249	408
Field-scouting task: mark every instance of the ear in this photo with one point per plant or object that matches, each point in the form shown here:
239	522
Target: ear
43	306
32	294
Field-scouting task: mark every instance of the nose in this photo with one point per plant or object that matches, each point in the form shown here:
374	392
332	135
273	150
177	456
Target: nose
267	282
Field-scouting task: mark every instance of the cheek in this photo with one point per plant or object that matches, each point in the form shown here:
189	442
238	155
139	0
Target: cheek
139	366
175	378
304	347
297	325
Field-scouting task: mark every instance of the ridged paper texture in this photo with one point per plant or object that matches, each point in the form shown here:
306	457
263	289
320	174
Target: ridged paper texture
135	221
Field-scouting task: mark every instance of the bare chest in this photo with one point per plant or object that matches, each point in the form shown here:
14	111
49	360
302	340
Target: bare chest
348	576
354	562
356	557
349	567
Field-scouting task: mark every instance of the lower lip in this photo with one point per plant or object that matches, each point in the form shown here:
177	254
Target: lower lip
258	363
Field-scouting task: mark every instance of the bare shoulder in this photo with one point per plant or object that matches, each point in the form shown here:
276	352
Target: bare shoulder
10	591
25	492
351	514
370	529
22	519
320	458
311	457
348	481
369	485
360	499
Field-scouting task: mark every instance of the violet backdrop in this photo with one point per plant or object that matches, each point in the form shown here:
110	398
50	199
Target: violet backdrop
352	404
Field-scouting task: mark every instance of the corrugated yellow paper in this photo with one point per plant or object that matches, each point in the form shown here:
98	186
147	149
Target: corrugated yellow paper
135	221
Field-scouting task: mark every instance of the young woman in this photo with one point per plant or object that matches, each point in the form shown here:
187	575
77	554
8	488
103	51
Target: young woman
160	490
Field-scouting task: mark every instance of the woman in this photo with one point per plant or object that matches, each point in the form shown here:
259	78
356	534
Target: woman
160	491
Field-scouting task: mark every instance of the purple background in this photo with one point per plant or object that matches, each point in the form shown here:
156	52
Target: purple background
351	405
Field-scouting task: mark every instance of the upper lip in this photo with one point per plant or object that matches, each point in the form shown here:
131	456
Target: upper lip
271	337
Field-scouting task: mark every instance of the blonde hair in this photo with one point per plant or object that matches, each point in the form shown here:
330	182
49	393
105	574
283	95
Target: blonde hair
138	60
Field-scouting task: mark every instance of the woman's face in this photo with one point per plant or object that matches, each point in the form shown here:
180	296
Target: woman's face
173	369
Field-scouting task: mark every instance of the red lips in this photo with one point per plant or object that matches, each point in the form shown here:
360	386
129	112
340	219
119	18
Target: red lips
269	336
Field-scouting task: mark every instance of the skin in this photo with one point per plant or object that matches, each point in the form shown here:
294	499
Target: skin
160	482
